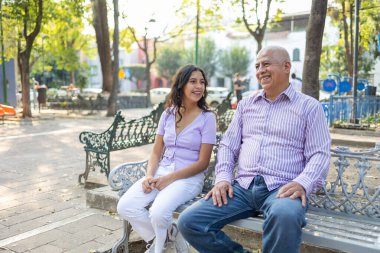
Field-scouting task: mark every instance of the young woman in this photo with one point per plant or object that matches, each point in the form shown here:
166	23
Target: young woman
185	136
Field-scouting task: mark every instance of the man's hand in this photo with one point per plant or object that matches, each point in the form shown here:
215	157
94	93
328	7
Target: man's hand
147	184
219	193
293	190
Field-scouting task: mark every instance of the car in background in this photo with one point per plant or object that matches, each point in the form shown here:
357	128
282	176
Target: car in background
158	95
216	95
91	92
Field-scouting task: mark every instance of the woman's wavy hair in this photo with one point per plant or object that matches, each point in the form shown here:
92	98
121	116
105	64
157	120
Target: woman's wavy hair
180	79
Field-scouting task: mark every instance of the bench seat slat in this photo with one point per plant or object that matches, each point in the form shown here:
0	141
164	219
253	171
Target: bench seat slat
326	238
348	231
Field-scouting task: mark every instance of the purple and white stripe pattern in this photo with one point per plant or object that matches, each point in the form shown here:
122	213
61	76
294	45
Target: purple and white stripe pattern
283	140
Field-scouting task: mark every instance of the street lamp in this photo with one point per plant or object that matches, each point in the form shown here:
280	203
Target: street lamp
5	81
356	49
43	59
197	34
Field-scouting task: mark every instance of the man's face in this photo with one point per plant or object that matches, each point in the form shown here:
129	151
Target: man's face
271	71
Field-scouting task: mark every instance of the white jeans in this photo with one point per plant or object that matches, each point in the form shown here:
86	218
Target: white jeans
155	222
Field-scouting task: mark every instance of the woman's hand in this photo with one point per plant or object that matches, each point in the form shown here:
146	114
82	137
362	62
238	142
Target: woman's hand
161	182
147	184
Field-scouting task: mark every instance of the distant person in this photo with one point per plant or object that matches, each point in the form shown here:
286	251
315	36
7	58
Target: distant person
182	149
238	87
296	82
280	142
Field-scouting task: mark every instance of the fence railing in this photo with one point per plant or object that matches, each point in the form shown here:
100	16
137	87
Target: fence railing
340	109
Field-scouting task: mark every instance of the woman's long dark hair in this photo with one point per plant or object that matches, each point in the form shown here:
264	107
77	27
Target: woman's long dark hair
180	79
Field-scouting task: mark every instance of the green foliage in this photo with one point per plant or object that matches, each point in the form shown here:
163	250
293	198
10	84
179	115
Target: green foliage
334	58
169	59
208	56
210	15
234	59
61	41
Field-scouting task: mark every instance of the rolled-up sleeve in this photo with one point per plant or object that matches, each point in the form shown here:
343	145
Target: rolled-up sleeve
229	147
316	152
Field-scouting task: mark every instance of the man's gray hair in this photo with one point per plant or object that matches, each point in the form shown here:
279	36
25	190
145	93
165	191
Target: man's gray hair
278	51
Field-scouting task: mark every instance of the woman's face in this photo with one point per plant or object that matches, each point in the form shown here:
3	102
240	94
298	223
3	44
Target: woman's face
195	88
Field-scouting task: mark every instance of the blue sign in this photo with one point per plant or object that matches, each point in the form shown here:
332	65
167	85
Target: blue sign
127	73
378	42
360	86
329	85
344	86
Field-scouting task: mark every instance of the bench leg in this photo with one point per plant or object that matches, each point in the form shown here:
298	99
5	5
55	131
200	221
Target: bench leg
86	171
123	242
94	160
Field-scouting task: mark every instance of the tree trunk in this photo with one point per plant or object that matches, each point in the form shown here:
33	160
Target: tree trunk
24	74
261	26
148	83
314	36
23	56
72	77
347	41
103	41
111	111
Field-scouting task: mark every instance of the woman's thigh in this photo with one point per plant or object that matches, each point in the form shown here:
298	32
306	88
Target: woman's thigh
176	194
136	198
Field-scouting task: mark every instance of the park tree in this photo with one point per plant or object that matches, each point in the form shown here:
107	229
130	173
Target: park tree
100	22
169	60
338	58
61	40
314	36
201	17
207	58
26	18
111	110
149	48
255	17
233	60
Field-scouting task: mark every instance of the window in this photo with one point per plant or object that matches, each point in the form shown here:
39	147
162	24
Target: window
300	23
220	82
296	54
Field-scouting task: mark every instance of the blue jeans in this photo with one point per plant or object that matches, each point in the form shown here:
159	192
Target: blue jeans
284	218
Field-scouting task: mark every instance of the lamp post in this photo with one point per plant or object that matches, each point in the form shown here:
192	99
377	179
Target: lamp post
356	52
197	34
5	81
43	59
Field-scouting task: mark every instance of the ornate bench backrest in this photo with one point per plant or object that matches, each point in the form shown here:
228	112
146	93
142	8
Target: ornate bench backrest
352	185
136	132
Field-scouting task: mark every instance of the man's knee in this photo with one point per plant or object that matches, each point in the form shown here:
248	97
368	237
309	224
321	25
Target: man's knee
185	219
287	211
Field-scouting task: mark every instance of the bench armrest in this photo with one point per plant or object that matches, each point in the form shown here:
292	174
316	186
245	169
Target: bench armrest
124	175
95	141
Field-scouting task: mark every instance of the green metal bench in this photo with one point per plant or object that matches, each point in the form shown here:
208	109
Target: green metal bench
120	135
342	217
224	114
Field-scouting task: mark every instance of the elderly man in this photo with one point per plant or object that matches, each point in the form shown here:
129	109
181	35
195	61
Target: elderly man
280	141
